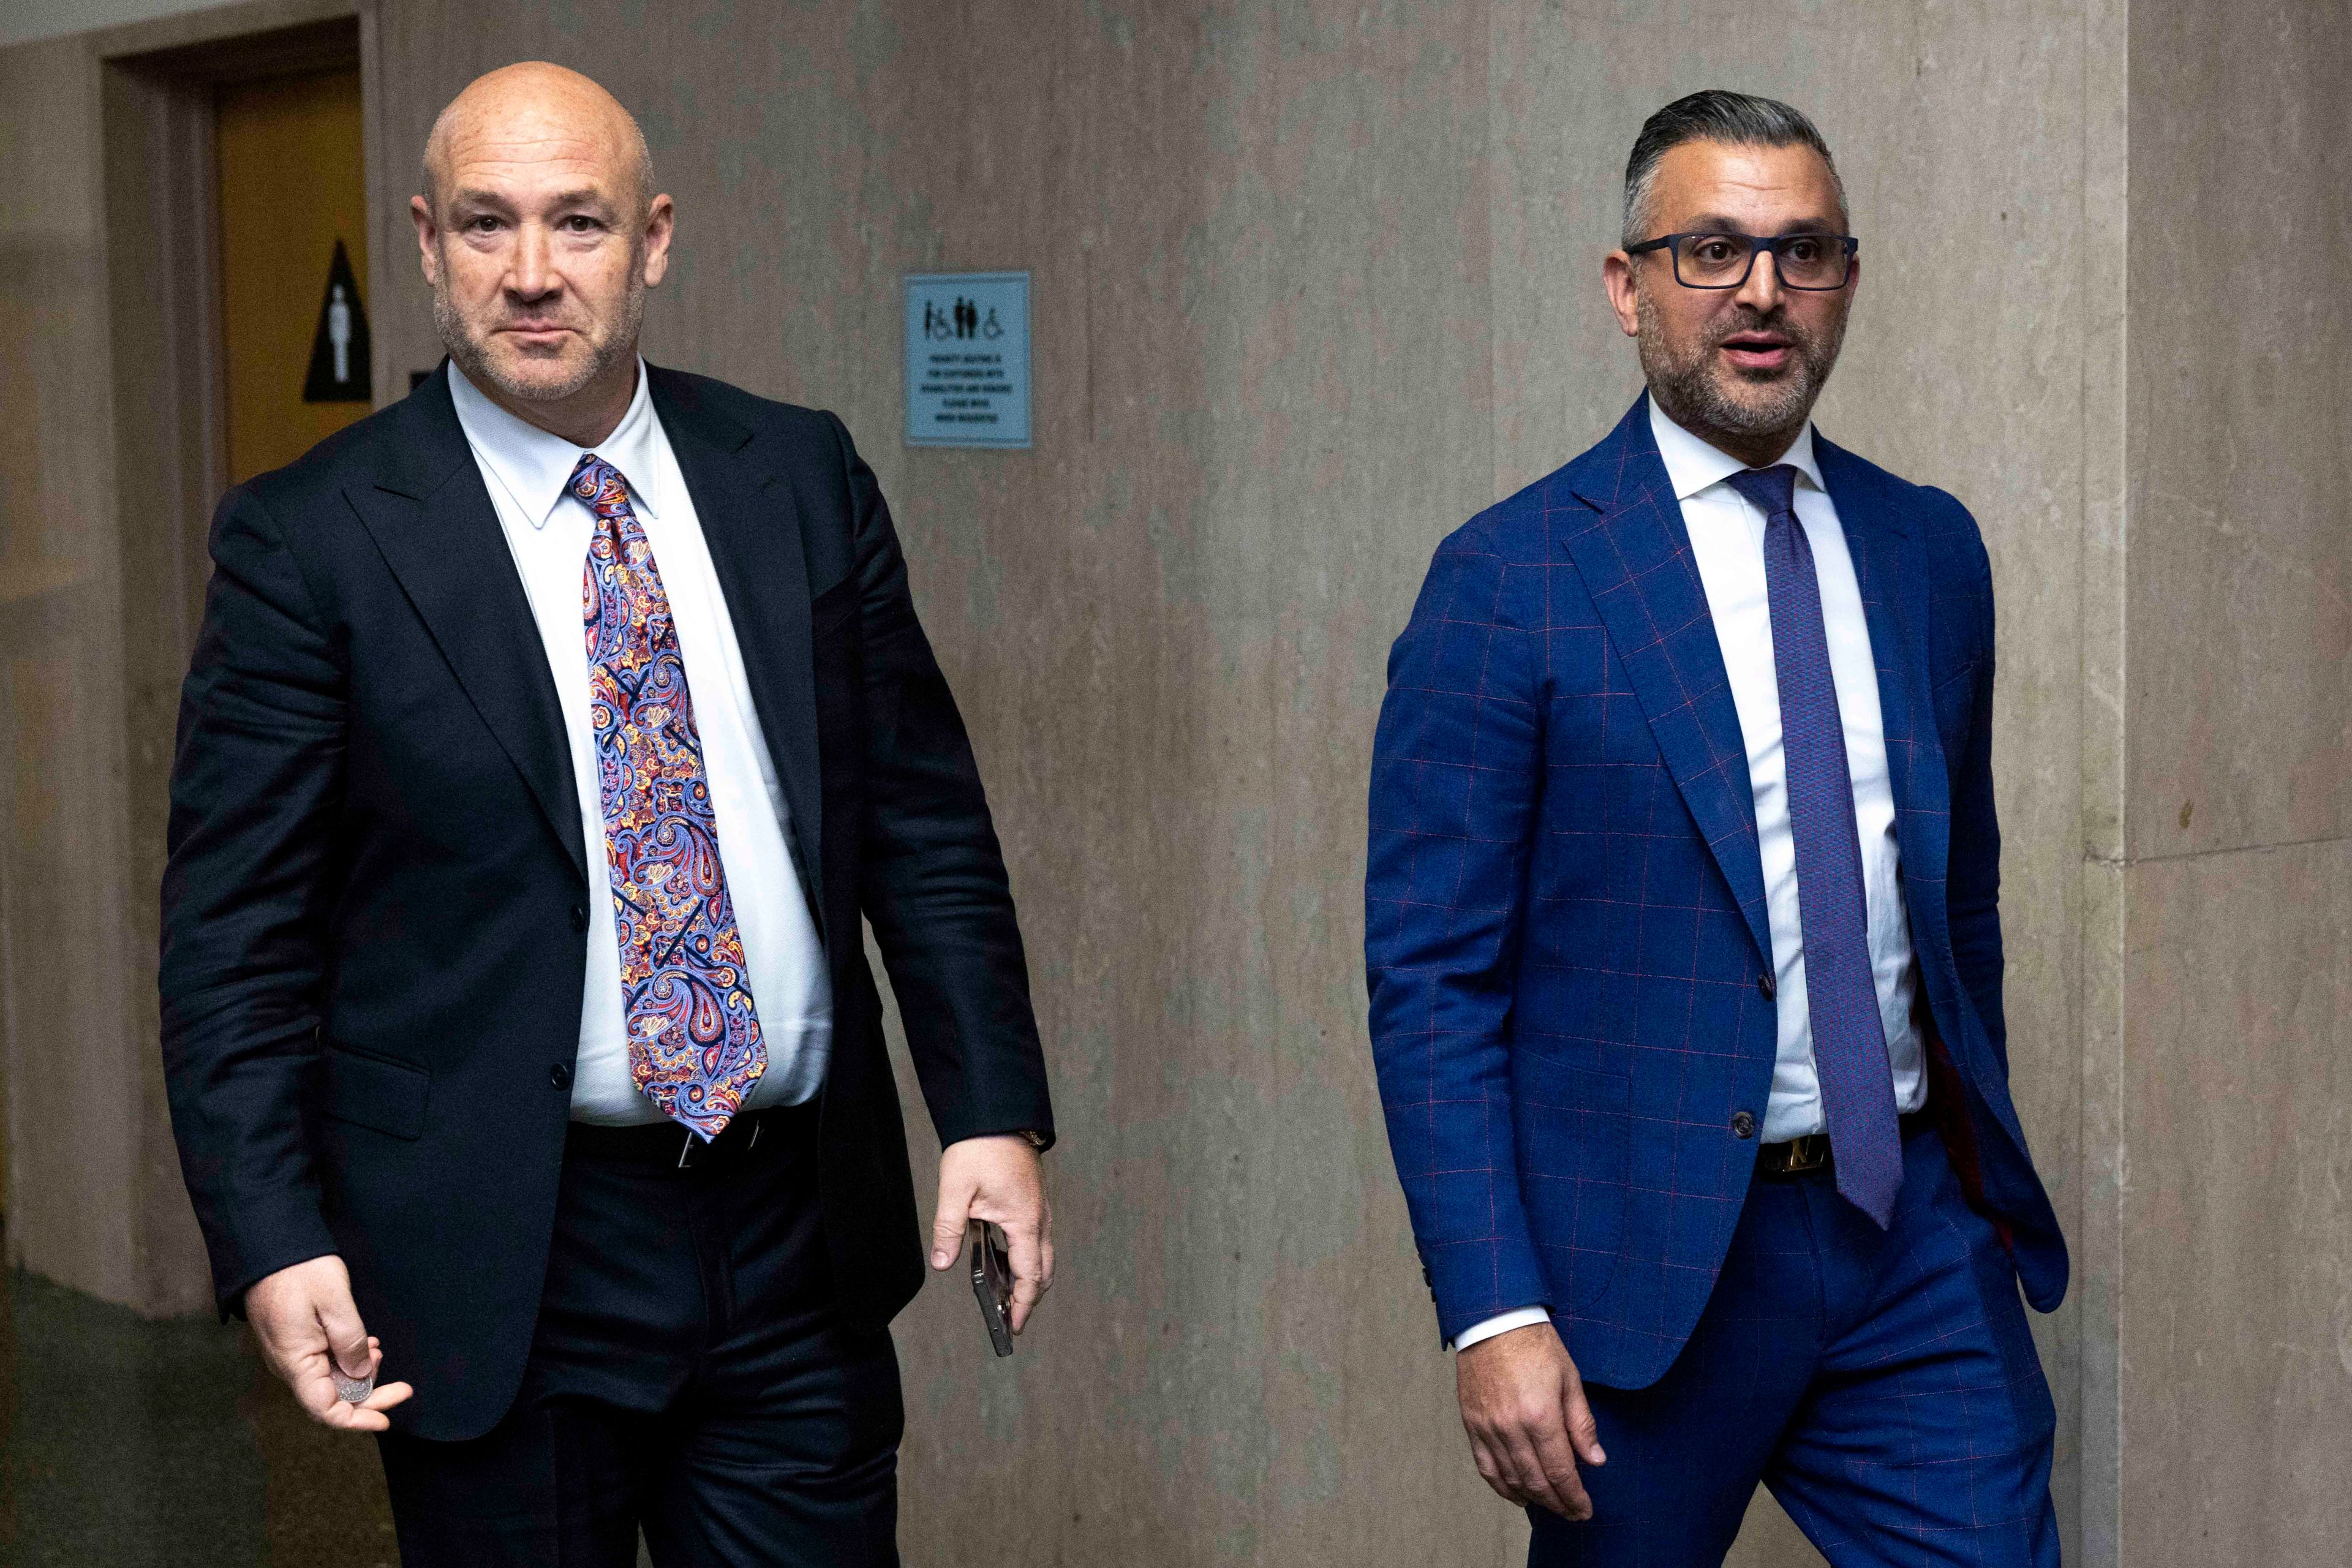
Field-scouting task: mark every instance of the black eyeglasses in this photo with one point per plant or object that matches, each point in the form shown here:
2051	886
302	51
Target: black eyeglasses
1810	261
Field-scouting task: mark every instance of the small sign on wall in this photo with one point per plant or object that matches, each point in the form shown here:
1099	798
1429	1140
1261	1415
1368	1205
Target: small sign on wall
968	359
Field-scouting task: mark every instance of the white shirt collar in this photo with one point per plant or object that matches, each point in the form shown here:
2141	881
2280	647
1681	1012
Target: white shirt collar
1693	466
535	465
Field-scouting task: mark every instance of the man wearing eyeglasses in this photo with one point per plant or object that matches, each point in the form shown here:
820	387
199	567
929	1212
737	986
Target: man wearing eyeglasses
1684	939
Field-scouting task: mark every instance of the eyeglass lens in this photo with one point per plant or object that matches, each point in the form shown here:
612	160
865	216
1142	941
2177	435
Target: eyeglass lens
1718	261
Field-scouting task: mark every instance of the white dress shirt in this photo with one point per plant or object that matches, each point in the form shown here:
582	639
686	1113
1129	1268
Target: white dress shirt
1726	535
527	470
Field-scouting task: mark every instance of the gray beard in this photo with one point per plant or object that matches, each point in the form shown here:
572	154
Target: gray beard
479	369
1693	398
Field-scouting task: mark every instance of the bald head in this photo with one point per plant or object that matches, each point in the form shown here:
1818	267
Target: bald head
533	112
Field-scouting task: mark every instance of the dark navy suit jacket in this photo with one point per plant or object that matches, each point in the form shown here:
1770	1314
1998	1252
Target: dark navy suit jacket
1564	904
372	914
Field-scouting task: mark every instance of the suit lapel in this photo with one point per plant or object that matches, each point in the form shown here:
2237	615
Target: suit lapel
431	518
752	525
1634	554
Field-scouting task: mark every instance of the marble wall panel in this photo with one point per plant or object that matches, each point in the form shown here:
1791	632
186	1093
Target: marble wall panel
2237	1211
2242	413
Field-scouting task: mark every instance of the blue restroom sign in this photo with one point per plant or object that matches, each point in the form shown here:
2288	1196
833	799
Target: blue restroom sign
968	359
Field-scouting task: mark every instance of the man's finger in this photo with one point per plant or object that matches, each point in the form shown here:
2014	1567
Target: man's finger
355	1418
1490	1470
386	1397
1583	1431
1557	1461
946	1228
1021	1246
1526	1471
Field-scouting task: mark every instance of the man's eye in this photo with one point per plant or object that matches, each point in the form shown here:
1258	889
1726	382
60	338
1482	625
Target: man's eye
1805	250
480	225
1713	250
579	222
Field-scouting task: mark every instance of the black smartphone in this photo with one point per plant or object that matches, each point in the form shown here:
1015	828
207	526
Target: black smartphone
992	1281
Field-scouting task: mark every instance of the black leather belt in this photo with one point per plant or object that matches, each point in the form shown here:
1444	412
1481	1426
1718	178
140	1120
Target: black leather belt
1801	1156
671	1145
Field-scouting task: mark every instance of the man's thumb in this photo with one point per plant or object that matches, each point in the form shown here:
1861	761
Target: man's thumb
947	1230
347	1339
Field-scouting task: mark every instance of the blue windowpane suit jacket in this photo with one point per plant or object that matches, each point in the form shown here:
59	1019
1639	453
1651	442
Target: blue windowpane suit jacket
1564	905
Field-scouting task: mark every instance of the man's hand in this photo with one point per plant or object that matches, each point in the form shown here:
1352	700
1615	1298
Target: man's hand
998	1178
308	1327
1524	1407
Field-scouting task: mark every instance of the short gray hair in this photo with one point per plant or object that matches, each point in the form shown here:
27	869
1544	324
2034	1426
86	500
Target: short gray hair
1717	114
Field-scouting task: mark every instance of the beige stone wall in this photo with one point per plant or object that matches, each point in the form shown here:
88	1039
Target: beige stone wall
2234	1218
1314	282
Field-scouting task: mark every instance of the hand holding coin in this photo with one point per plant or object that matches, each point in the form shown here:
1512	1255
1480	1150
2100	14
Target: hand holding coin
310	1332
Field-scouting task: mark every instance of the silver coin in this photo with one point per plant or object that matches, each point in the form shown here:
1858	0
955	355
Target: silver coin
353	1390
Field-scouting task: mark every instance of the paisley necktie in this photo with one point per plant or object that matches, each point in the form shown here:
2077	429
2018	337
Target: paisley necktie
694	1047
1841	996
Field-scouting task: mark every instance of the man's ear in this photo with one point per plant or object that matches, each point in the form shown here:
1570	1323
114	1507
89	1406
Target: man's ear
1617	278
661	220
427	233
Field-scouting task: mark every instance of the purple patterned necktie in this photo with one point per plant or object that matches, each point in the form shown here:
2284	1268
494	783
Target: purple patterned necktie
1841	995
694	1047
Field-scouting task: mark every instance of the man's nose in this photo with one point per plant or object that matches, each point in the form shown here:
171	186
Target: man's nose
530	276
1761	293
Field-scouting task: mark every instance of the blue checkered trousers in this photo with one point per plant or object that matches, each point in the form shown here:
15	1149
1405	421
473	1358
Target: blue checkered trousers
1573	1024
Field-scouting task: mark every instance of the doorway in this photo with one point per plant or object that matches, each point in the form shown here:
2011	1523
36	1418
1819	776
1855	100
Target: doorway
291	211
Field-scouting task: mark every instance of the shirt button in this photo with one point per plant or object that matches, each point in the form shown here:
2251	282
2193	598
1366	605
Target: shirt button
1743	1124
560	1075
1764	983
579	917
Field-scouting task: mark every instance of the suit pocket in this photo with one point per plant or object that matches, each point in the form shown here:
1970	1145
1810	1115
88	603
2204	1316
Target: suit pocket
376	1092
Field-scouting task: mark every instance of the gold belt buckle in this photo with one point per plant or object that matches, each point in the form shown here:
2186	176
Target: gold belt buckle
1810	1153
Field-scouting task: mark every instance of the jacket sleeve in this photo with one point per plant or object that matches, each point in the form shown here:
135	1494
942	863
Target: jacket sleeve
254	780
1457	766
1974	864
932	876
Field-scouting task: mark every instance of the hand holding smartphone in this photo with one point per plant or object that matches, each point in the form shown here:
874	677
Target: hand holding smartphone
992	1282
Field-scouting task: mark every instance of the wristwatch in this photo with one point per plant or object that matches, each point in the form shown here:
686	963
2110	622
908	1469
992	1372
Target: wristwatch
1037	1140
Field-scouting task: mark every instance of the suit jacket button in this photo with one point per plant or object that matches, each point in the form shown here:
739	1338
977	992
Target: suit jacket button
559	1076
579	917
1743	1124
1764	983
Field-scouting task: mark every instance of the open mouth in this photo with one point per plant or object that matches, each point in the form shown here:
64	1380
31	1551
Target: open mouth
1760	351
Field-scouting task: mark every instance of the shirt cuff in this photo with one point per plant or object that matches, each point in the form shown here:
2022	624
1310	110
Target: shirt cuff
1502	1323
